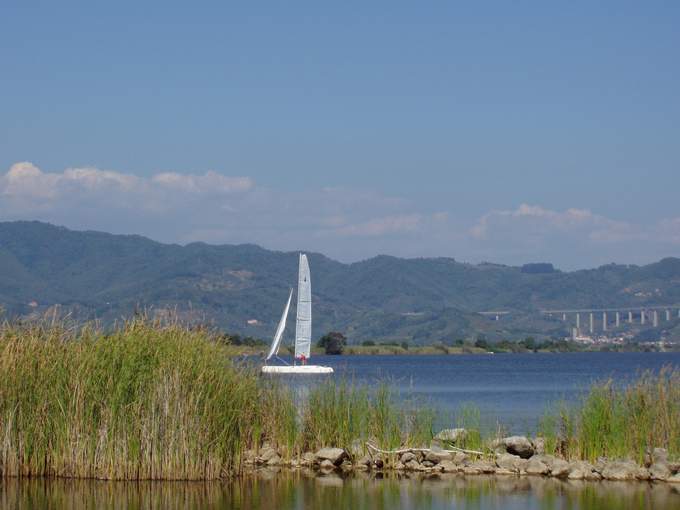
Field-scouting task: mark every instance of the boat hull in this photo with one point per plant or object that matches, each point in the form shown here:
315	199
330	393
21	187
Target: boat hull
296	369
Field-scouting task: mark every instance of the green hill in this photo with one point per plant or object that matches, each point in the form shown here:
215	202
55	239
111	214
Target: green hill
94	275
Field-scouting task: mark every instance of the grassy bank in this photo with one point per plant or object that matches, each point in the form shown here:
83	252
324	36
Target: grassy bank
164	402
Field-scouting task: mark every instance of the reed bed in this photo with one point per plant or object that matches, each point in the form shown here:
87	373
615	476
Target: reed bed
161	401
619	421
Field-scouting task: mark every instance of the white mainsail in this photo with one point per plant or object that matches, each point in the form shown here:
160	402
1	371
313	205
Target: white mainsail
303	322
274	350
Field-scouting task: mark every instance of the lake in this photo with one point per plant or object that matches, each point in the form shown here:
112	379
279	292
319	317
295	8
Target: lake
302	490
512	389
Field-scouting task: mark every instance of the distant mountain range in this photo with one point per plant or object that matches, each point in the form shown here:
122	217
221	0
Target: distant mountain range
243	288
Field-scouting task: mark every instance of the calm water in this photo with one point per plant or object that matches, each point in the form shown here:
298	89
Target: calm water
513	389
288	491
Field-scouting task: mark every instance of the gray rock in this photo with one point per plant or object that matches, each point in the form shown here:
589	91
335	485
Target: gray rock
326	465
536	467
501	471
335	455
659	455
249	457
674	479
451	435
412	465
308	458
519	445
508	461
274	461
448	466
659	470
560	468
364	461
620	470
581	470
460	457
484	466
427	463
399	466
436	456
407	456
267	453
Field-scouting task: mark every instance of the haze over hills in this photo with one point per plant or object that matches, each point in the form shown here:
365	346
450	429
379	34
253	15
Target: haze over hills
242	288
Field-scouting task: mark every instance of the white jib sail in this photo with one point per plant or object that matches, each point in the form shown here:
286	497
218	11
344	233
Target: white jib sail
274	350
303	322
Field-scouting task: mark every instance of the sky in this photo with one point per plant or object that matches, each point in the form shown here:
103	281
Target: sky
508	132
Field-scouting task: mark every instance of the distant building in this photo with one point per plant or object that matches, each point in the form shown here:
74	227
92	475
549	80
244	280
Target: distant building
252	322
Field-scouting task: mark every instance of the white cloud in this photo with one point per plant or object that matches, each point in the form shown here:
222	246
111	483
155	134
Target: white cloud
348	224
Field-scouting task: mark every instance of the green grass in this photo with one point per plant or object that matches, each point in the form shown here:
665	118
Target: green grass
153	401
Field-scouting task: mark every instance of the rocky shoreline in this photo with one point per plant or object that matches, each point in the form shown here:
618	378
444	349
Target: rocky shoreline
509	456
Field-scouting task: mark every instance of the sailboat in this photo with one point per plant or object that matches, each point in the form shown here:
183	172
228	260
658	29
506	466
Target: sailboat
303	330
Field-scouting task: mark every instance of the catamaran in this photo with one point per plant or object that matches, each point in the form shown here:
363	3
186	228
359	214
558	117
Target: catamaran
303	330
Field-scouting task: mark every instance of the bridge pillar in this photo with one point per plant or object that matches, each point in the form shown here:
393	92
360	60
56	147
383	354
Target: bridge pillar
592	323
630	316
642	316
618	319
668	315
578	321
564	316
656	319
604	321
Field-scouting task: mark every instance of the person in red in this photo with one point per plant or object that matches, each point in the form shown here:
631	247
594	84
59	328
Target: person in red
303	359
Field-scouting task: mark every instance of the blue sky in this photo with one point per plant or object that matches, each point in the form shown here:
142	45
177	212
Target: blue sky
499	131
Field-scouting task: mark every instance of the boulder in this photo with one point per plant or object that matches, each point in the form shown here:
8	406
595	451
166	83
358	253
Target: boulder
501	471
483	466
537	467
582	470
451	435
659	455
335	455
412	465
448	466
436	456
326	465
560	468
460	457
427	464
274	461
659	470
508	461
308	458
267	453
518	445
620	470
407	456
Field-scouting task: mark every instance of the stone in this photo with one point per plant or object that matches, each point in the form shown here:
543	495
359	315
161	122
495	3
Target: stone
539	445
560	468
346	466
471	470
267	453
451	435
364	461
249	457
659	455
484	466
508	461
378	463
448	466
537	467
460	457
412	465
274	461
659	470
620	470
436	456
326	465
674	479
501	471
335	455
519	445
581	470
308	458
399	466
407	456
427	463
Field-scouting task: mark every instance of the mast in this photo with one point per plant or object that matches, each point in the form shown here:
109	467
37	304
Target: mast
303	321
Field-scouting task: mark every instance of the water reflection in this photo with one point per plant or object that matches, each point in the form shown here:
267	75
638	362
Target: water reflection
302	490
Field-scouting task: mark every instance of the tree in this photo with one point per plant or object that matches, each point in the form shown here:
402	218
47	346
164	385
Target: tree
481	342
333	342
